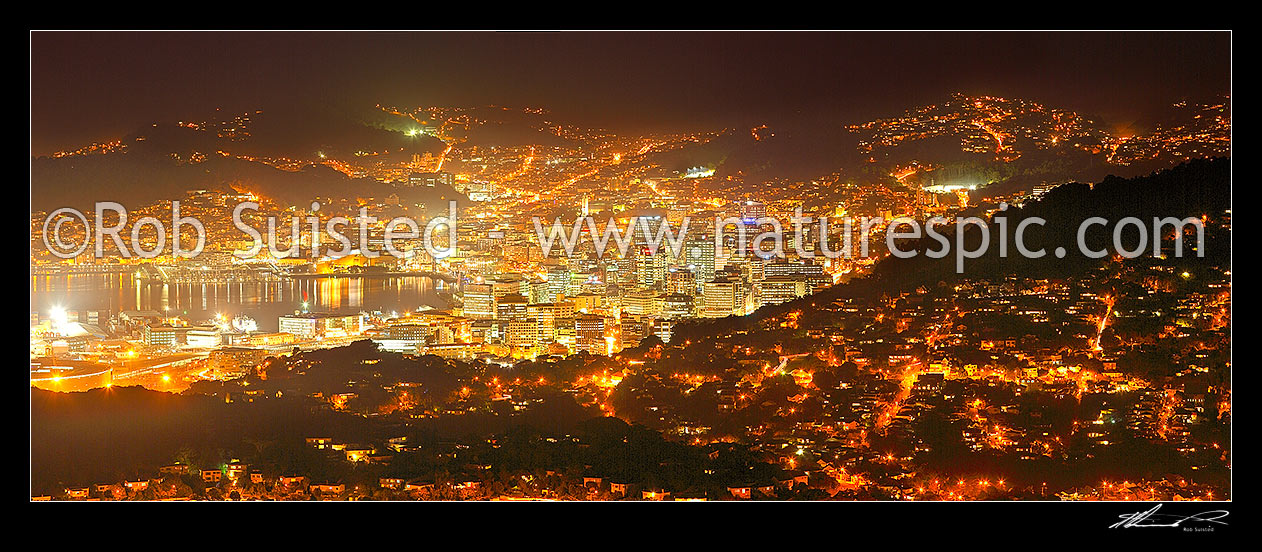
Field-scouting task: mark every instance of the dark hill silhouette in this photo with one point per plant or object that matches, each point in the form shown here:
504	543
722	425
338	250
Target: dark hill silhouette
1192	189
159	163
135	180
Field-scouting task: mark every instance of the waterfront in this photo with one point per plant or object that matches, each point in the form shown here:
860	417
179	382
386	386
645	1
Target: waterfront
262	301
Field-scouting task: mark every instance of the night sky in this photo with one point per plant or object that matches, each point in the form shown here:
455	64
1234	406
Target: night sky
99	86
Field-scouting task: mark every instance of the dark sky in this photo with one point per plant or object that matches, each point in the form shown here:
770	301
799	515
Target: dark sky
97	86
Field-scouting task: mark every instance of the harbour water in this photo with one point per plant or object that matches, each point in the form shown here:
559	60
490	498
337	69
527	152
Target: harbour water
264	301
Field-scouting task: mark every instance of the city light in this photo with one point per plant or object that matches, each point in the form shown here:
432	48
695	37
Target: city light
519	282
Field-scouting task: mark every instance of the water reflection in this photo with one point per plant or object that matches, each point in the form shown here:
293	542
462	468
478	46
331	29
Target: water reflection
263	301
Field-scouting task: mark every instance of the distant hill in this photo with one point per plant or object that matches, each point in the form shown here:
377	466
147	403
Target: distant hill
135	179
233	152
1001	145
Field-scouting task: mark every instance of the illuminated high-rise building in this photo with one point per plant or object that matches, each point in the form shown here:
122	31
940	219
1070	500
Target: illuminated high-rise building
479	301
781	289
642	302
510	307
681	280
589	333
722	297
650	268
699	258
806	270
522	336
511	284
558	282
678	305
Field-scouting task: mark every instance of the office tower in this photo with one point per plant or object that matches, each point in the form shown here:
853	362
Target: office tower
510	307
479	301
699	258
589	333
682	281
722	297
781	289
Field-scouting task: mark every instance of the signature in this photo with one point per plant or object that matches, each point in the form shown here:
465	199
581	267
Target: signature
1151	518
